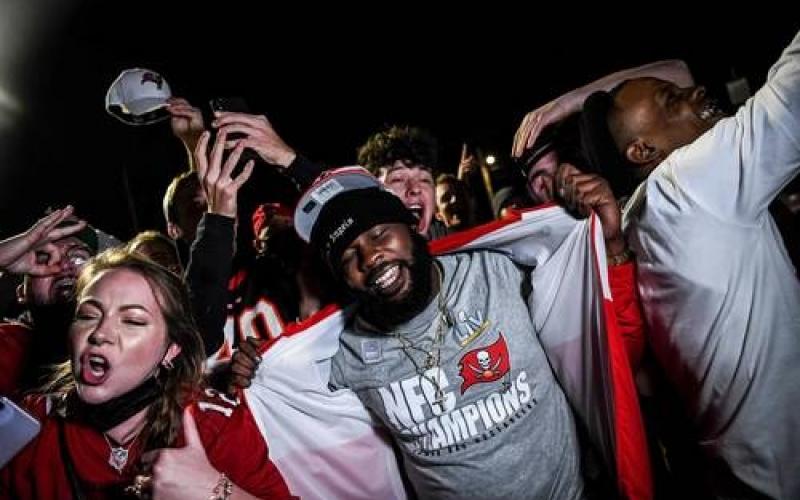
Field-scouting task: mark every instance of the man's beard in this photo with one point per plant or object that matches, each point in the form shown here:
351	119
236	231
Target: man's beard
379	311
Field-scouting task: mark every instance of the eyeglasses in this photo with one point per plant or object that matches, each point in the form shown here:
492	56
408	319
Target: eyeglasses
78	257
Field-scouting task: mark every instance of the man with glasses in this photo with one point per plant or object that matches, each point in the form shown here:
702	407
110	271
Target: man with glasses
50	256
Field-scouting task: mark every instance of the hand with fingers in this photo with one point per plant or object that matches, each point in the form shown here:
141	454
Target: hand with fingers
33	251
469	163
181	472
186	122
536	121
259	135
585	193
244	364
220	187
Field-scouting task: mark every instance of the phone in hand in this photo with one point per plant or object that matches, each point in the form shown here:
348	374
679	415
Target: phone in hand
233	104
17	428
230	104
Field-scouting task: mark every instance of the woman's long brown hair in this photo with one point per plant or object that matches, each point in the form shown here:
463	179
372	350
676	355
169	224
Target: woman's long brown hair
163	420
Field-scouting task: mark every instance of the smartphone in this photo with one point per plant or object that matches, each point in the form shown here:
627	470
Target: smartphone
231	104
17	428
235	105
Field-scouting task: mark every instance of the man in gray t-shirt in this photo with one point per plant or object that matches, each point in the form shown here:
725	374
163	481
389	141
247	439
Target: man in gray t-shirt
443	351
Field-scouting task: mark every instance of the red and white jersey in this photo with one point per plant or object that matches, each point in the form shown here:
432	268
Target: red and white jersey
231	438
257	308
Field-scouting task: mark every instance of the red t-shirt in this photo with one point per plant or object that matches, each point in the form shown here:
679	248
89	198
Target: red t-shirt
15	343
232	441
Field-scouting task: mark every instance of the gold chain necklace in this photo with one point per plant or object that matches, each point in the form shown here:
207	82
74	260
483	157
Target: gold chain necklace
433	357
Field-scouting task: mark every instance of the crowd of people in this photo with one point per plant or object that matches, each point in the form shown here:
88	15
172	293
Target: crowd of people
617	315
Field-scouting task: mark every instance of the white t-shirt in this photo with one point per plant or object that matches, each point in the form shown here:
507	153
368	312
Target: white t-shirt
720	294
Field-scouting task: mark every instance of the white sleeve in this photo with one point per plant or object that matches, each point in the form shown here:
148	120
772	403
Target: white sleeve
740	165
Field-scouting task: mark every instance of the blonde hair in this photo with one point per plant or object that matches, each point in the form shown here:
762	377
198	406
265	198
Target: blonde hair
180	383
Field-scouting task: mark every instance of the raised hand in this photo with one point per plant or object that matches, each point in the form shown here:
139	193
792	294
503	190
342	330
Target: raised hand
259	135
33	251
533	124
244	364
186	122
468	164
584	193
220	187
182	472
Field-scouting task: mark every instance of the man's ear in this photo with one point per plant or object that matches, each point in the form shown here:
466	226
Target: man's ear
640	152
173	231
20	293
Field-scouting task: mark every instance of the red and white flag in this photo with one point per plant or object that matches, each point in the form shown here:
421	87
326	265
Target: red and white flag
327	446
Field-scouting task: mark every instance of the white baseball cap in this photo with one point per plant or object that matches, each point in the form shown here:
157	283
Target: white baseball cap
138	97
326	187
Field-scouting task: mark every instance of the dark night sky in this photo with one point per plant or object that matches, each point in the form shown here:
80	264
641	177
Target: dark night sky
325	83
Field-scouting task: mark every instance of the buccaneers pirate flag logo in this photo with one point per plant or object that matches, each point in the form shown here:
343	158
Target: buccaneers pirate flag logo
485	364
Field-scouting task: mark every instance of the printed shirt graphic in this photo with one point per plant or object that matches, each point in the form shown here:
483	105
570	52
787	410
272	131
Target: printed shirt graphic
574	315
309	427
485	364
444	432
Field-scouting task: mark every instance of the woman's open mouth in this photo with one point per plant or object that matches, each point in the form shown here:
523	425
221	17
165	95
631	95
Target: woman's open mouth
95	369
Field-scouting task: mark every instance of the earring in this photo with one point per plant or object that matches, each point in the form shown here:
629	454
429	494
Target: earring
167	363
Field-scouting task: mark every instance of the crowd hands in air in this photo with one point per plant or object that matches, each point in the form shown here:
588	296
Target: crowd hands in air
157	368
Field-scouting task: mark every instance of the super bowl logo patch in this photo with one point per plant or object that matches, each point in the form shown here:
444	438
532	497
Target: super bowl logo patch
484	364
371	351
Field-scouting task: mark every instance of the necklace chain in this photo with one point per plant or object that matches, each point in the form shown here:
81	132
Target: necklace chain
433	356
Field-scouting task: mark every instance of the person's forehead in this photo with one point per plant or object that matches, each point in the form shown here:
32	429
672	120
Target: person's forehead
417	170
71	242
641	89
123	286
388	226
640	102
546	165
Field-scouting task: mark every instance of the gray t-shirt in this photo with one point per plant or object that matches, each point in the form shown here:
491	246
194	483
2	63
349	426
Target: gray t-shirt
503	428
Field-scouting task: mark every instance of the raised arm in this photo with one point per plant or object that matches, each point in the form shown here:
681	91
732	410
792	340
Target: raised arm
211	258
737	168
33	251
260	136
672	70
187	124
